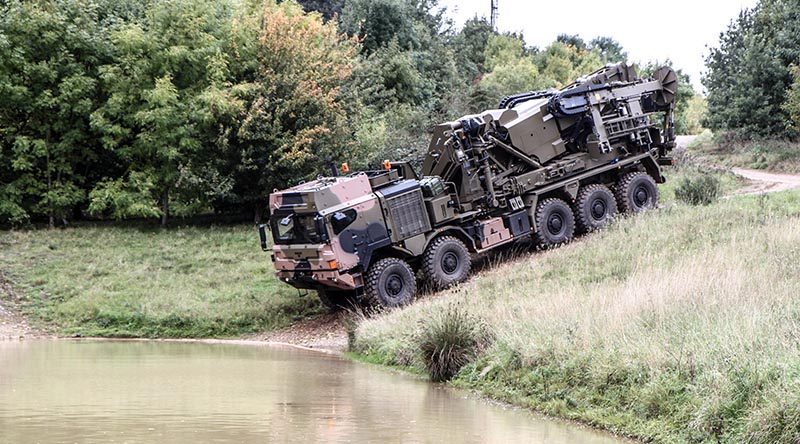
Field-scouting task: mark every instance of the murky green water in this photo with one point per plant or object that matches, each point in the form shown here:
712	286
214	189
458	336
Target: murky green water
135	392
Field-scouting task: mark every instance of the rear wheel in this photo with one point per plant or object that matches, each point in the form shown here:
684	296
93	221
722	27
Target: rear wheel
555	223
337	299
446	262
636	192
595	206
390	283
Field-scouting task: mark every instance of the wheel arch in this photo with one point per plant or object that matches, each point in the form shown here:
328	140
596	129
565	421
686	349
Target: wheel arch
456	232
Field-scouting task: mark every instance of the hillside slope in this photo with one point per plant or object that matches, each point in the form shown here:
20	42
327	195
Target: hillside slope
677	325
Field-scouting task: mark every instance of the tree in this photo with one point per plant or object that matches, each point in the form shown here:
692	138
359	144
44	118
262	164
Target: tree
563	63
155	119
471	43
503	49
749	73
290	115
49	51
328	8
610	50
792	105
573	40
378	22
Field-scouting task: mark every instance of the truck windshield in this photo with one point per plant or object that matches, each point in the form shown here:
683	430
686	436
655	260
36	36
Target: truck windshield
296	228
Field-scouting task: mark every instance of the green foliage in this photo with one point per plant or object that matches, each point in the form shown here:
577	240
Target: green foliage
158	84
749	73
119	108
471	45
328	8
503	49
49	53
792	105
124	198
702	189
610	50
562	63
694	115
287	114
378	22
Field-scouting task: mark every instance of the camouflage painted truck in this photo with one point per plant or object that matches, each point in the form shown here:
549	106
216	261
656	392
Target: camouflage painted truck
545	165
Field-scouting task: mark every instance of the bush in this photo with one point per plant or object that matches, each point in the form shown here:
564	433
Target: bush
451	339
699	190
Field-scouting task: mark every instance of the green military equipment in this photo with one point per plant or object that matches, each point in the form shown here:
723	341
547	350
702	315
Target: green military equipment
545	165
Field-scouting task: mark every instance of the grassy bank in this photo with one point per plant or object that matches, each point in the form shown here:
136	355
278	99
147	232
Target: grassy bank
106	280
774	155
680	325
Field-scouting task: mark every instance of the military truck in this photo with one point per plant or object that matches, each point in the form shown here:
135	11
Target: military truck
545	165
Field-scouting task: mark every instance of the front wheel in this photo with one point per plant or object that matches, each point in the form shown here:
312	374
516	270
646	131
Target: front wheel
390	283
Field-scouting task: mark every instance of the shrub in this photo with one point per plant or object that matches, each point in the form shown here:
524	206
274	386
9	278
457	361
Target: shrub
699	190
451	339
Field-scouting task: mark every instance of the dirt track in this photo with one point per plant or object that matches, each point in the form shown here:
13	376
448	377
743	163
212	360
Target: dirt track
759	181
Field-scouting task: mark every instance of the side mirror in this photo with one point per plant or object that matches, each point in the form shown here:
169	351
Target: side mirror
262	233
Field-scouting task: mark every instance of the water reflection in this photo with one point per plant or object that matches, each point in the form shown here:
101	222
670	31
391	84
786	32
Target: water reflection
62	391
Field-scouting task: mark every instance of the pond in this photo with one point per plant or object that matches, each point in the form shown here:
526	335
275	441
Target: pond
179	392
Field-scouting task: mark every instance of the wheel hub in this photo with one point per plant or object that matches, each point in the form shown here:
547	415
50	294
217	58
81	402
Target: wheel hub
394	285
555	223
640	196
598	209
449	262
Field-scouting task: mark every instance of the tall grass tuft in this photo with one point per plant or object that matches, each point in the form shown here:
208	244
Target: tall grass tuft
451	339
701	189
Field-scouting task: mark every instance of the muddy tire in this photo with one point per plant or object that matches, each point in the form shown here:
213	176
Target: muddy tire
336	300
446	262
636	192
390	283
595	207
555	223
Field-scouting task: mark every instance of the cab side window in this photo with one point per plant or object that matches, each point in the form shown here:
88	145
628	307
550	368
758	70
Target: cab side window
342	219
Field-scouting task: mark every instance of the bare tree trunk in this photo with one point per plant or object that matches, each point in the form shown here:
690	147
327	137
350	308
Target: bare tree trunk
51	217
164	208
258	213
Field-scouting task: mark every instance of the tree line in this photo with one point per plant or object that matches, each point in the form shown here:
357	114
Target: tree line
753	79
161	108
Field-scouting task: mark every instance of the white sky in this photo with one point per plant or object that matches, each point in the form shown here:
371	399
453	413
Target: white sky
648	30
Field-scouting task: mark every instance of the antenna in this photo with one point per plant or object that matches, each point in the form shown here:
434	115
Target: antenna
495	13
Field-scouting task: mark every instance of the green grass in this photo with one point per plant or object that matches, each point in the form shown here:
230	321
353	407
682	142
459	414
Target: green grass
139	281
679	325
774	155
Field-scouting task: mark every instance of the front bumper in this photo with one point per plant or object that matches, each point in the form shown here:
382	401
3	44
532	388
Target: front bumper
316	279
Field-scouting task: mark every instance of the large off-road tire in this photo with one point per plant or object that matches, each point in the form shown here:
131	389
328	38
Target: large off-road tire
595	207
555	223
636	192
336	300
446	262
390	283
